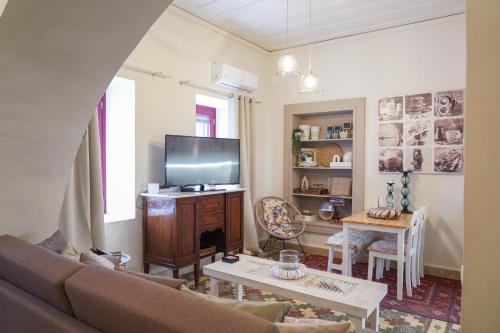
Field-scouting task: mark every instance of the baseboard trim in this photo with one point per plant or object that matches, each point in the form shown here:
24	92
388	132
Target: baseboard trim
433	270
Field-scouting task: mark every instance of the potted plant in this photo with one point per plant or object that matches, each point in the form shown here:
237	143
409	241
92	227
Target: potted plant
296	143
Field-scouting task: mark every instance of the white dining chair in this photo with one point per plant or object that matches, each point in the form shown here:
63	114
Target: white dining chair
421	242
358	241
382	250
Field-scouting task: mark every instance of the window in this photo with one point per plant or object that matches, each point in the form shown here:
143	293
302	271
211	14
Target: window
214	118
206	121
116	112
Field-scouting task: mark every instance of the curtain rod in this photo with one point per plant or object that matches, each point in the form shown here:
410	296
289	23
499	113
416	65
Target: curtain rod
188	83
147	72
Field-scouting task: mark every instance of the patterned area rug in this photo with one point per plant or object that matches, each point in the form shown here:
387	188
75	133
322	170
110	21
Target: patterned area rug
391	321
436	298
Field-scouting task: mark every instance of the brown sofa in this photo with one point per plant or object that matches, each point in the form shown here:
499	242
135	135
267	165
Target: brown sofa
41	291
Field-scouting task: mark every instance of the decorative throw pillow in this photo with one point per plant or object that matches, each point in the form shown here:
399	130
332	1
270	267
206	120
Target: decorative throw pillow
94	259
70	252
55	243
272	311
311	325
172	283
384	213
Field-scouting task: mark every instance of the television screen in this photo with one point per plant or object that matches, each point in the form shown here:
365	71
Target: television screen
195	160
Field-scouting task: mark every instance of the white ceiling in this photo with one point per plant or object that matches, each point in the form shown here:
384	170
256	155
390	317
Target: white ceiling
262	22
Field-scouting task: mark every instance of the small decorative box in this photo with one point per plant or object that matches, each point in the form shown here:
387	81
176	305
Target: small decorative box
230	259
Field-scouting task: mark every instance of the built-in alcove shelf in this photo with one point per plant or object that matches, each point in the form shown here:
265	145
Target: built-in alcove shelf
323	168
327	140
321	196
324	114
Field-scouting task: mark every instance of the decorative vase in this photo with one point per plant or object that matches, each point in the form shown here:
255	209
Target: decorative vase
306	131
405	192
389	199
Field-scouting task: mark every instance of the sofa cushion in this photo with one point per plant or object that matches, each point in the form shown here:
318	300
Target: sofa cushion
94	259
21	312
116	302
172	283
38	271
272	311
312	325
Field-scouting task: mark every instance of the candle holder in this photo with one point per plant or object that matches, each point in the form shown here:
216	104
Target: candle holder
389	199
405	192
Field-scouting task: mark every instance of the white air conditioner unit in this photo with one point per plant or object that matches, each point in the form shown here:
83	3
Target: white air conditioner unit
233	78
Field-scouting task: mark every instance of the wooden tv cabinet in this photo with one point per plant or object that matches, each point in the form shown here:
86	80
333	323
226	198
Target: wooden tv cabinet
176	223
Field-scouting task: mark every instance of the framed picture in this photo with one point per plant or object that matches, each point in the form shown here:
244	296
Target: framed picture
449	160
390	160
418	106
308	157
427	138
390	134
418	132
390	108
449	131
418	159
449	104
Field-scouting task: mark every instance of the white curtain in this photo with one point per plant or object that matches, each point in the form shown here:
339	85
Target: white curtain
245	115
82	214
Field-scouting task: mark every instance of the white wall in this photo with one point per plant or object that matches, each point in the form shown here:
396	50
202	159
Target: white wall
424	57
183	47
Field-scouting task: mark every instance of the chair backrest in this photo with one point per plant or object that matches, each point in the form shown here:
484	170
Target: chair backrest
293	217
414	231
421	231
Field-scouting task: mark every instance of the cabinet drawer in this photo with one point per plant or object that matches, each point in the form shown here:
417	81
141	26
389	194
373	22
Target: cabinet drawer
212	218
212	203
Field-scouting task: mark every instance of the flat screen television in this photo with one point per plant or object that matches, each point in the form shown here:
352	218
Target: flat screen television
193	160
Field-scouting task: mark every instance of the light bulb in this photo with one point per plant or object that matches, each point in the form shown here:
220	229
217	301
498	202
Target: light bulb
309	82
287	66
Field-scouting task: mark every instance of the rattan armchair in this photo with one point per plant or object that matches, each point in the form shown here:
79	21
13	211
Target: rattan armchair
281	221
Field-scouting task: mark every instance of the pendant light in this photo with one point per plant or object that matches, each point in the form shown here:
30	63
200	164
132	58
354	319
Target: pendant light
287	64
309	81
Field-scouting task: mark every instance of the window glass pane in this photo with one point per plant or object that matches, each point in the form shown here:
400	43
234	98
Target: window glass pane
120	150
226	120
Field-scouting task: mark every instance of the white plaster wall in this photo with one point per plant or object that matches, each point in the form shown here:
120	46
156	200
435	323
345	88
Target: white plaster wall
424	57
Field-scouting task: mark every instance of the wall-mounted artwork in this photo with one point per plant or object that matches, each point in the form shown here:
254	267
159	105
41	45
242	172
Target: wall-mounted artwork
422	132
390	134
390	108
390	160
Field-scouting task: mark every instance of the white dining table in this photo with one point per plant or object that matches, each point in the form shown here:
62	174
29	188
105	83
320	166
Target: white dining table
361	221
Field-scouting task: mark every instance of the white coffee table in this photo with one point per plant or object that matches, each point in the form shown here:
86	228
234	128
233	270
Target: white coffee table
360	301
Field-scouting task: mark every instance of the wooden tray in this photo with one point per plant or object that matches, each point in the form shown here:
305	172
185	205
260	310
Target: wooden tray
325	154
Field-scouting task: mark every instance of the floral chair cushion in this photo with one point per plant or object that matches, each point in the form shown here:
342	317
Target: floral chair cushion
277	220
358	239
384	246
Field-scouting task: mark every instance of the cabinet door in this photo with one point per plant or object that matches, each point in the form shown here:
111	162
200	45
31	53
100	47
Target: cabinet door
187	232
159	230
234	221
